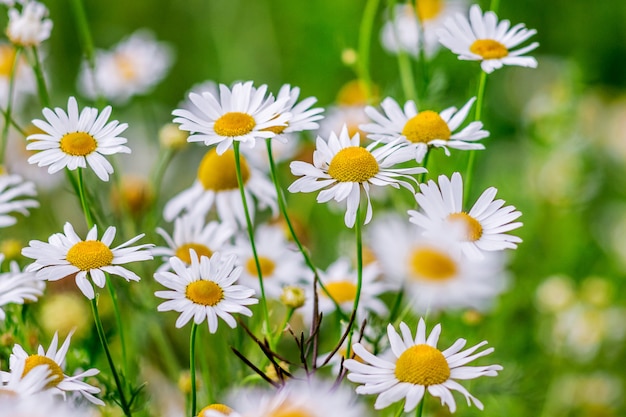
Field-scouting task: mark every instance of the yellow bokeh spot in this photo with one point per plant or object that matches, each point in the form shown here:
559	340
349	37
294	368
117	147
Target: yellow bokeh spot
56	373
426	126
217	172
78	144
267	266
206	293
7	58
422	365
428	9
354	93
90	254
290	410
489	49
431	264
201	250
353	164
472	227
233	124
341	291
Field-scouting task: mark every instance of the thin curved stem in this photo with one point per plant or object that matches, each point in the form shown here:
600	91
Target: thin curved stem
42	89
282	204
420	408
359	272
103	341
83	200
9	109
472	154
192	366
365	36
251	236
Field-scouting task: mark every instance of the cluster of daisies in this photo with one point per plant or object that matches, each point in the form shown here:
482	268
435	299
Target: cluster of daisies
215	265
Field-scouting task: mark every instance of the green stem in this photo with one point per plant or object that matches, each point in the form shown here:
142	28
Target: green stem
420	407
251	236
400	409
404	62
84	35
9	109
105	346
494	6
365	35
282	204
13	122
118	320
42	89
192	366
472	154
83	200
279	332
423	60
422	176
359	272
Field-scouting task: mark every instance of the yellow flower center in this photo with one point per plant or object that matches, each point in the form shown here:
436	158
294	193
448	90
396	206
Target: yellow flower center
341	291
221	408
204	292
353	164
201	250
267	266
276	129
90	254
11	248
56	373
218	173
78	144
288	410
489	49
426	126
234	123
422	365
431	264
473	229
428	9
125	66
353	93
7	58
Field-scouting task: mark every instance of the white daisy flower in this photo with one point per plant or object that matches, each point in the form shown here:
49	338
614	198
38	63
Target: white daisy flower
483	38
242	114
303	117
19	384
351	116
343	167
54	358
424	129
483	228
340	280
133	67
418	366
207	86
12	187
299	397
17	287
216	185
281	151
281	265
192	233
66	254
205	290
71	140
30	27
40	405
434	271
402	31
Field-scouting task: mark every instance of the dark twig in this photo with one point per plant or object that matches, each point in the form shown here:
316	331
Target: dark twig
343	338
254	368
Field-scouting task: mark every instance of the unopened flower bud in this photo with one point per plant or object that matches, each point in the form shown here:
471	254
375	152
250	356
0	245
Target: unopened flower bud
171	137
293	297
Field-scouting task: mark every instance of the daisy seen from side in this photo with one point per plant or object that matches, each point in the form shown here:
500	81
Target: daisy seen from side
424	129
205	290
216	186
72	139
20	384
193	233
483	38
433	270
12	190
281	265
66	254
302	116
243	113
17	287
54	359
418	366
482	228
341	168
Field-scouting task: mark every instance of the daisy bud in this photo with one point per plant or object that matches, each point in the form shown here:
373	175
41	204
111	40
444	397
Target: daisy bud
270	370
134	195
11	248
292	297
349	57
171	137
184	382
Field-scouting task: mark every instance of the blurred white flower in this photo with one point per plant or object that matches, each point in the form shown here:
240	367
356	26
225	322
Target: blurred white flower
30	27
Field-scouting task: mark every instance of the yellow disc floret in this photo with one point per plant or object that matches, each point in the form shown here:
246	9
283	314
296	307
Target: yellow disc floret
220	408
489	49
90	254
428	9
431	264
473	229
217	172
201	250
7	58
55	375
426	126
267	266
204	292
78	143
341	291
288	410
234	124
422	365
353	164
